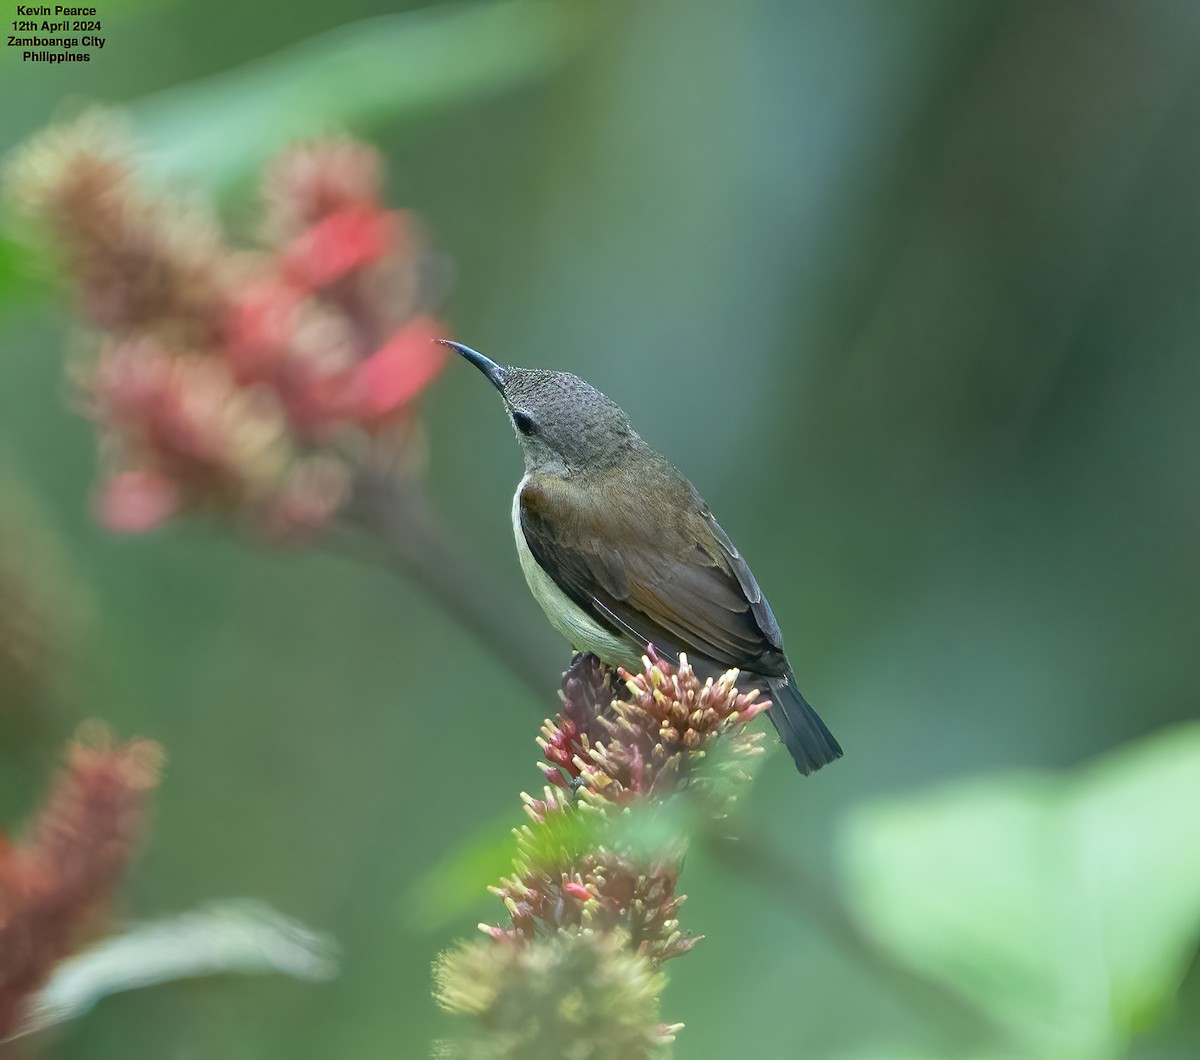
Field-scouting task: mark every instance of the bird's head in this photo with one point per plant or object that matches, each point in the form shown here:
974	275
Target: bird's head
564	424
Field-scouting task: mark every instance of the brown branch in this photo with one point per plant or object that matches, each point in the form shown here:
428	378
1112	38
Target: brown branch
404	532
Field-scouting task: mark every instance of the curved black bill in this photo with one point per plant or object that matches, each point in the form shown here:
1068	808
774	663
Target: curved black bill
490	368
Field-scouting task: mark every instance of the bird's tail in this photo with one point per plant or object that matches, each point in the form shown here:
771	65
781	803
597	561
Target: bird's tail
800	727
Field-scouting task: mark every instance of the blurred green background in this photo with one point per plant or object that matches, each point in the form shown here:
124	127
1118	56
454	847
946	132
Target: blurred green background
909	289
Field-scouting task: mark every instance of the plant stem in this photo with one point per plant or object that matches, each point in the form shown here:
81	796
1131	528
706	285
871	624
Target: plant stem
399	518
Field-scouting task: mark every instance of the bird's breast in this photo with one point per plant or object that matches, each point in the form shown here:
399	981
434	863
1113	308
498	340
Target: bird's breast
582	631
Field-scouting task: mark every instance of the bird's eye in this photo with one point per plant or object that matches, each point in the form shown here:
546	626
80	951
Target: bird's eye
523	422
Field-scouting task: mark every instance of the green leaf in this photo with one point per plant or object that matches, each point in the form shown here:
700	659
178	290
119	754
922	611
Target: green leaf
458	883
242	937
1067	907
19	272
383	69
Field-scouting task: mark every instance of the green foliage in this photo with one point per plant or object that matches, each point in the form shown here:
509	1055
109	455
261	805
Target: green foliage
1067	908
363	74
16	267
455	885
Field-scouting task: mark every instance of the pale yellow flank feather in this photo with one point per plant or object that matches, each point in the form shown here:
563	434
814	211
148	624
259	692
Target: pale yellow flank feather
583	632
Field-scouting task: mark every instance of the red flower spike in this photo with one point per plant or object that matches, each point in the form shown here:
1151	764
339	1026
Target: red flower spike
404	366
55	882
354	236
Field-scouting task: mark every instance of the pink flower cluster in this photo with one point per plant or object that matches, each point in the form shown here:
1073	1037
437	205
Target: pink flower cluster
249	383
607	752
582	882
645	744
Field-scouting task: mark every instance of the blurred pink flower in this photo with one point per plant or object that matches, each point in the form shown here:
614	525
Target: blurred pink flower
352	237
231	381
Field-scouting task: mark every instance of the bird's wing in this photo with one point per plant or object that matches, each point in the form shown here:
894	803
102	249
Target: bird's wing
680	587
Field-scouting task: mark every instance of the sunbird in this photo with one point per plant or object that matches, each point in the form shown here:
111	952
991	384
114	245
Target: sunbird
622	553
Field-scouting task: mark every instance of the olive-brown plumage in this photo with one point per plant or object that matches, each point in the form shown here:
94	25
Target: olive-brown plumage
622	552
